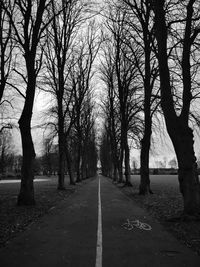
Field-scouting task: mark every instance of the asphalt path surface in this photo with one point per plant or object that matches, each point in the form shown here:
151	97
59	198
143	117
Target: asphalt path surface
91	223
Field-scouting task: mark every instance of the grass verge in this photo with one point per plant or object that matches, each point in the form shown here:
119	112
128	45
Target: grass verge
15	219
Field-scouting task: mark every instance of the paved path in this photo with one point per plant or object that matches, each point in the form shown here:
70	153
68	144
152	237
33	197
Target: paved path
67	236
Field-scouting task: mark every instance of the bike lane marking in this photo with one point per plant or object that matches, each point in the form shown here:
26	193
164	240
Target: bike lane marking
99	231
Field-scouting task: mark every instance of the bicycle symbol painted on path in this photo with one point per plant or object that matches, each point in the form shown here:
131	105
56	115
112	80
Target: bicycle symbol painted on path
130	224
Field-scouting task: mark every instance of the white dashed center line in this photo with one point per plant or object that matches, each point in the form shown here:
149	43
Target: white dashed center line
99	231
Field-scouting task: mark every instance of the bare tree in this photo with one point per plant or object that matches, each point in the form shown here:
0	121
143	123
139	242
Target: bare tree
59	60
82	74
178	124
128	83
28	20
111	105
140	40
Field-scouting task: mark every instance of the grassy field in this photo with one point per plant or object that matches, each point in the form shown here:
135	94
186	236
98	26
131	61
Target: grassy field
166	205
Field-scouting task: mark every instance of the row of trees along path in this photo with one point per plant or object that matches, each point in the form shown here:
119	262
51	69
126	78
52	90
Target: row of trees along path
148	53
42	45
150	67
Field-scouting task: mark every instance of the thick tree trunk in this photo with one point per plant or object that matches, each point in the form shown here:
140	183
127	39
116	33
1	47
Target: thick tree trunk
121	165
61	146
187	174
61	169
144	187
79	178
26	194
69	167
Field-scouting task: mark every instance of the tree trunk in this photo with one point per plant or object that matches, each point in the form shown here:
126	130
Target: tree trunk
127	164
115	178
121	165
2	162
69	167
83	169
115	159
144	187
79	178
61	168
61	146
187	173
26	194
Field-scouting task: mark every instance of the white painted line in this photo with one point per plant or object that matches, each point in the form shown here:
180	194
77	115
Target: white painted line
99	231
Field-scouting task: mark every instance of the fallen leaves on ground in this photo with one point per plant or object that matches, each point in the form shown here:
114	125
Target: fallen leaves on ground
15	219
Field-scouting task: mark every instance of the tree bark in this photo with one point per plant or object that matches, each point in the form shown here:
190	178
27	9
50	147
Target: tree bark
127	163
188	178
61	146
61	167
79	178
121	163
69	167
144	187
26	194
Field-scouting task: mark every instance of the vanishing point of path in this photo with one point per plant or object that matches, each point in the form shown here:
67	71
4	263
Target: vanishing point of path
86	230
